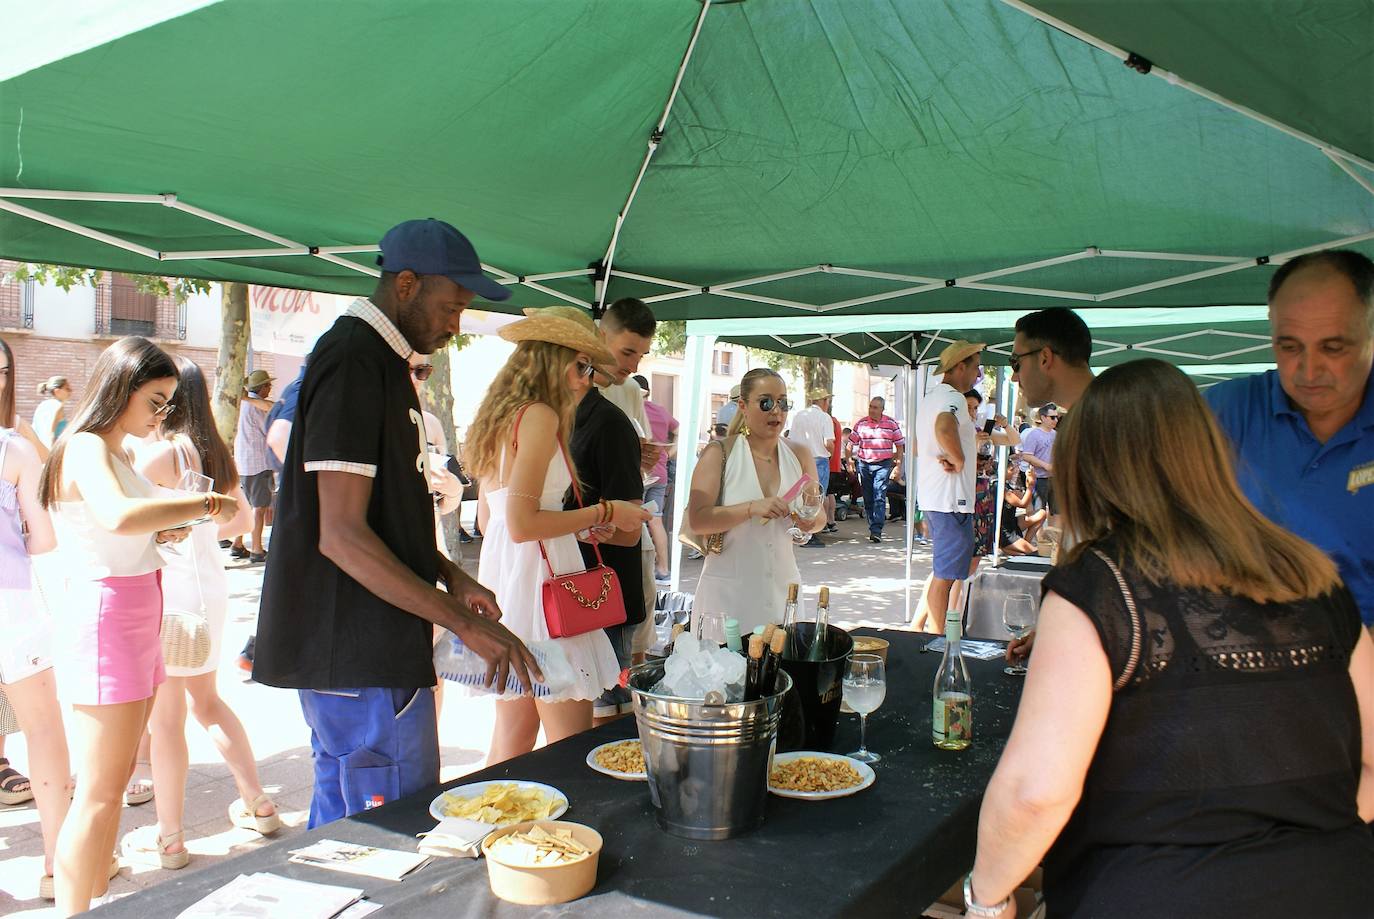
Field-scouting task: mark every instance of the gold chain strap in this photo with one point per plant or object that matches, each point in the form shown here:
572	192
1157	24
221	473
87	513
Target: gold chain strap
571	587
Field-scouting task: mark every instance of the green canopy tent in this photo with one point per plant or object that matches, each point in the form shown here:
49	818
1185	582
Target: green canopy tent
724	160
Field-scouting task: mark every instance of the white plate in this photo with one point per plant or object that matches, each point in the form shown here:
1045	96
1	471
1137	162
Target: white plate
474	789
623	776
866	774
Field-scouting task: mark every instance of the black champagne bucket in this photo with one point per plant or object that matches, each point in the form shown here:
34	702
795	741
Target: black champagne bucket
818	687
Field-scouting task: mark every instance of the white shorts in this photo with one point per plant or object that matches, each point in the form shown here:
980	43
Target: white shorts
27	648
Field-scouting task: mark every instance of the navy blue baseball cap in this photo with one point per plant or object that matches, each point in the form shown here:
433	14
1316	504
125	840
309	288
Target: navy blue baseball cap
431	246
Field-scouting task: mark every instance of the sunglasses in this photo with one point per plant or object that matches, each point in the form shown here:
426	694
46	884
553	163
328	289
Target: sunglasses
1015	359
422	372
585	369
1051	417
768	403
163	410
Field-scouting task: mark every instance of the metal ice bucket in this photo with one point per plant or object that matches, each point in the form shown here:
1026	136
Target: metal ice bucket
707	764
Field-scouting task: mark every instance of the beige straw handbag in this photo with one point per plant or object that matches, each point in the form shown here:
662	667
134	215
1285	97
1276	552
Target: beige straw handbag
9	724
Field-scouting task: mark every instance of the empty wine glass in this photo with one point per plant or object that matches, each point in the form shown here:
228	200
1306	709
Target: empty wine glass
1018	615
711	627
865	687
809	500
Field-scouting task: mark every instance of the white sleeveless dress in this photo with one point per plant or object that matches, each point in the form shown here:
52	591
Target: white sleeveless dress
194	579
748	579
515	572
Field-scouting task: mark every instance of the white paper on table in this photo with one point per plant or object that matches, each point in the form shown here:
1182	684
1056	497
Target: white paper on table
387	864
455	837
359	909
268	896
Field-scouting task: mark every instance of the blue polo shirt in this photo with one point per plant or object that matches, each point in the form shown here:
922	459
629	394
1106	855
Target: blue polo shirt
1322	492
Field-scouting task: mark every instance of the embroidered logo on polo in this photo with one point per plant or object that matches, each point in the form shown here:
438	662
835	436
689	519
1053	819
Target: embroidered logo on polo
1360	476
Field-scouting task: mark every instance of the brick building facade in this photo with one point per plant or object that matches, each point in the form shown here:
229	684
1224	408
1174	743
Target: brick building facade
118	310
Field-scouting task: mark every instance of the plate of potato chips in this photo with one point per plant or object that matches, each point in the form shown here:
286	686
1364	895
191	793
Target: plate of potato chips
500	803
620	759
813	776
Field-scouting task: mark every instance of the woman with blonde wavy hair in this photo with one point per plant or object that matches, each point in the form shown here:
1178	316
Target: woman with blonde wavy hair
736	490
517	447
1196	732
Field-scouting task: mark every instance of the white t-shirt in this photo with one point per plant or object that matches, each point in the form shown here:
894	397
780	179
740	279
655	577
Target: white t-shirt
812	426
936	489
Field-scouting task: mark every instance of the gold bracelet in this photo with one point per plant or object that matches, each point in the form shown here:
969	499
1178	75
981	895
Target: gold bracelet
520	494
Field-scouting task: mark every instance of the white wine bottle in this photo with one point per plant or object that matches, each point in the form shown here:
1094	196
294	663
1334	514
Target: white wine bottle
789	625
819	638
951	726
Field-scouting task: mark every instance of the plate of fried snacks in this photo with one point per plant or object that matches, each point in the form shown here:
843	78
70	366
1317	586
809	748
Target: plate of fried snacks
818	776
500	803
620	759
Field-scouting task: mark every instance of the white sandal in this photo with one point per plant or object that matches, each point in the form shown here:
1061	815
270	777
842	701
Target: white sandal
156	854
245	816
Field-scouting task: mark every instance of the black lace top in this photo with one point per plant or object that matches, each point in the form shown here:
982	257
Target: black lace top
1225	780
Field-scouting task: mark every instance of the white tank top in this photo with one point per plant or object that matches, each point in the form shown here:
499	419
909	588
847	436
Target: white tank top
89	551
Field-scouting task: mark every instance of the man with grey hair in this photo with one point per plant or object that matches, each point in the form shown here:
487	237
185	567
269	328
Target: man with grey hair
1304	433
878	443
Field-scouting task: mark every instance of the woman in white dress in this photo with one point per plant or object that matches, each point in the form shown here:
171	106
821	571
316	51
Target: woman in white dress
518	449
194	581
748	579
49	419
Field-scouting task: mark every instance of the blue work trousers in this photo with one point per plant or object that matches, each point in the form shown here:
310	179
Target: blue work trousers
371	746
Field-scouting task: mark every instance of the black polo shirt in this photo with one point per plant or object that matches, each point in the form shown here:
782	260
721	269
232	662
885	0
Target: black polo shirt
605	450
356	412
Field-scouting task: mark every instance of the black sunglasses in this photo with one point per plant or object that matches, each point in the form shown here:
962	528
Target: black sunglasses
1051	417
585	369
421	372
767	403
1015	359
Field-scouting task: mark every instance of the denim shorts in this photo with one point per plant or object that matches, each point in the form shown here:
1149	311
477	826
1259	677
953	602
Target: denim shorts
952	535
655	493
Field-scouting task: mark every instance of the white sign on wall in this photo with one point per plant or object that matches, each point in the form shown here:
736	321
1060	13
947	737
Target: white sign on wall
289	321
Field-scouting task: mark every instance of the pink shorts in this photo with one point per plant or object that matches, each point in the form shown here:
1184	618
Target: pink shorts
108	647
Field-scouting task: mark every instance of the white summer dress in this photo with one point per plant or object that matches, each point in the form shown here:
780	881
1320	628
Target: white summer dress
515	572
748	579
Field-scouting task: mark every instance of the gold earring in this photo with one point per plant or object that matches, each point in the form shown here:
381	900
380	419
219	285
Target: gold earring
744	429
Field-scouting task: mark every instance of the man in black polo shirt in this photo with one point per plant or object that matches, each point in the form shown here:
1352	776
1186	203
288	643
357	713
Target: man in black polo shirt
605	449
349	599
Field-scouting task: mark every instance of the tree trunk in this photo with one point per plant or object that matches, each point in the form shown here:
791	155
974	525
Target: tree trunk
233	358
817	373
438	398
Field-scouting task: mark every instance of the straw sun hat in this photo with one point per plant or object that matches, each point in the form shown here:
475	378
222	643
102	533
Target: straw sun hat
561	325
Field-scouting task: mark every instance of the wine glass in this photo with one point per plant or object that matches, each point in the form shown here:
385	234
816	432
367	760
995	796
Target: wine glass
1018	615
806	506
865	687
711	627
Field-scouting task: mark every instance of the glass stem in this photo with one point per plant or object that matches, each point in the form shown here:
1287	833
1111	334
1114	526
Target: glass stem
863	733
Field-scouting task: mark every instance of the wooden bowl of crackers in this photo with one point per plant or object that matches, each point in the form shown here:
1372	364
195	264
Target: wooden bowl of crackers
542	862
868	644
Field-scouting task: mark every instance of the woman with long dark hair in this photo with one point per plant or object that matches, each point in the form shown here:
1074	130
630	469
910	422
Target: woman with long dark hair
26	653
1196	732
194	582
109	523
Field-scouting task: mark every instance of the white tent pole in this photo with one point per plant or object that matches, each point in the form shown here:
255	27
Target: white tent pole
1175	79
766	278
1090	252
1279	258
50	194
910	373
1028	291
881	275
1349	170
78	229
771	301
888	295
654	139
568	298
650	279
1175	281
697	363
1003	457
1165	256
230	253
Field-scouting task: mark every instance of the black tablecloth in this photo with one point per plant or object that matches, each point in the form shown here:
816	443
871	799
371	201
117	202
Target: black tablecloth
889	850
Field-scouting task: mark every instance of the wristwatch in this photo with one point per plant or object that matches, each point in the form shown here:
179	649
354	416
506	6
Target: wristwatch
973	908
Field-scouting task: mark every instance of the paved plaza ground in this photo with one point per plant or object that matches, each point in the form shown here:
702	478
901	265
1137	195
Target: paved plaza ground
867	588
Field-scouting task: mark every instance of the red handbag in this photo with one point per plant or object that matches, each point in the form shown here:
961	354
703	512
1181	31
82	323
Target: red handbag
582	601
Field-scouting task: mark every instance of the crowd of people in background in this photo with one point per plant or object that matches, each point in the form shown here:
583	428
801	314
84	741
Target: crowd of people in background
1181	503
